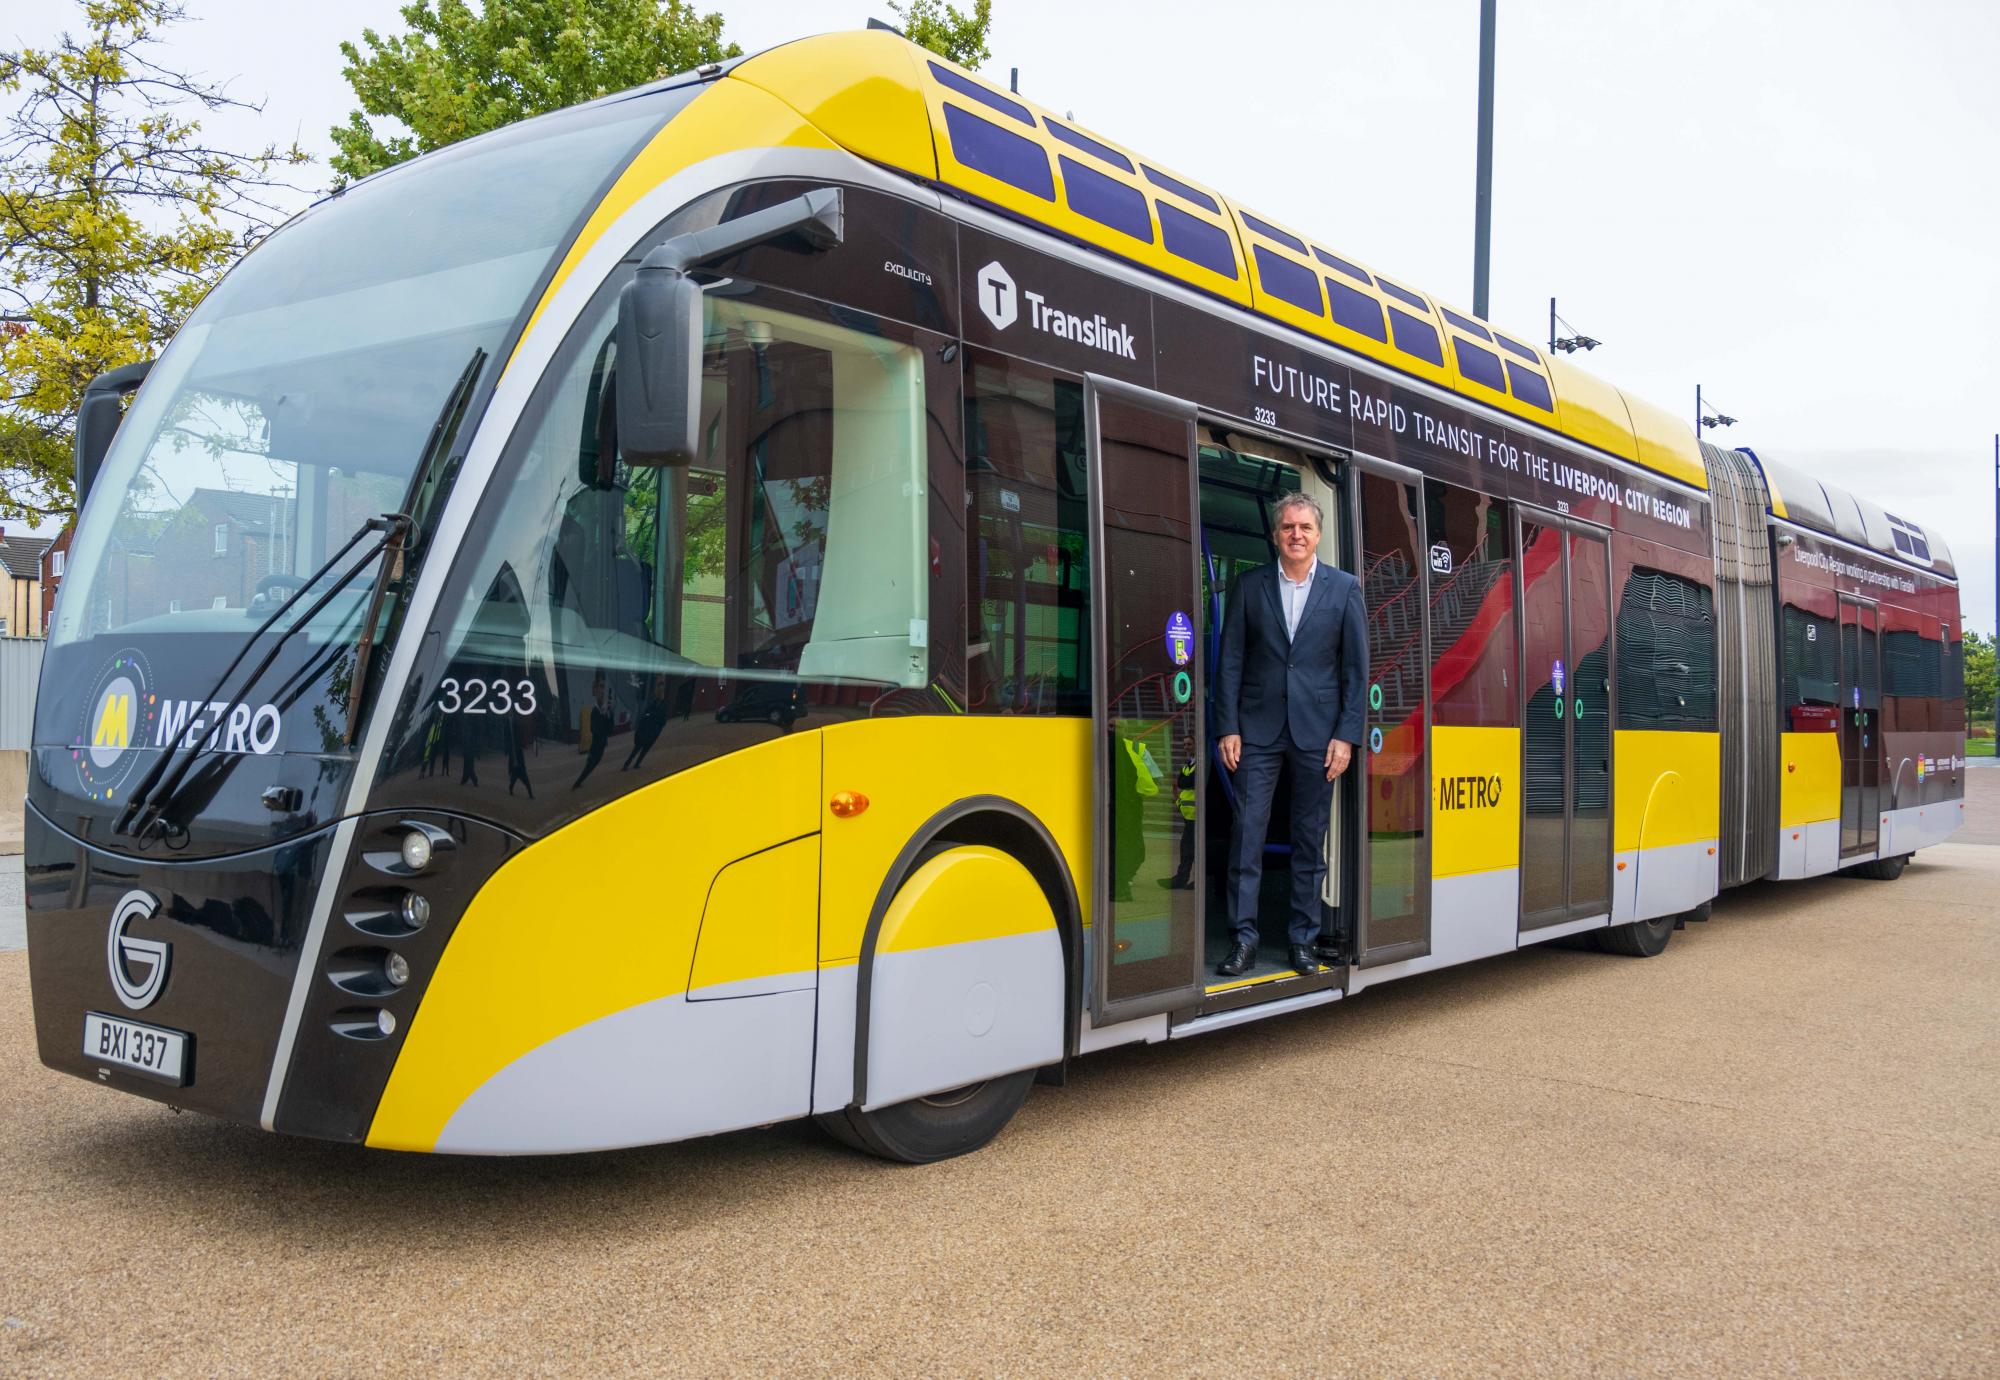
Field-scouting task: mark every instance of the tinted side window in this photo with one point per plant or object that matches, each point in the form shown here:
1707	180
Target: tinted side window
1414	337
1356	310
1812	661
1106	200
984	146
1027	564
1289	282
1471	561
1196	240
1666	652
1479	364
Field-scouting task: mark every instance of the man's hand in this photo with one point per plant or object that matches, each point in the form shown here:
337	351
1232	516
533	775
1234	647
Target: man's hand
1338	755
1230	745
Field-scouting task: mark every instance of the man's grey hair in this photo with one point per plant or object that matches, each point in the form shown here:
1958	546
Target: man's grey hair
1295	499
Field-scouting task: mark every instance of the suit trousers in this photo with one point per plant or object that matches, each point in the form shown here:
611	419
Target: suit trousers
1256	781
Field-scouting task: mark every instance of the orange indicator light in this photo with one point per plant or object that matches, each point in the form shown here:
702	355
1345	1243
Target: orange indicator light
847	804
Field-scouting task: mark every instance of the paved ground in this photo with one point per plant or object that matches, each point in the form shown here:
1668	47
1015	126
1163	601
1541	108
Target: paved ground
1774	1149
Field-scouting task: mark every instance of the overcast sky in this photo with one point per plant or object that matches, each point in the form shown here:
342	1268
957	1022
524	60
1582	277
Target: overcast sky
1793	204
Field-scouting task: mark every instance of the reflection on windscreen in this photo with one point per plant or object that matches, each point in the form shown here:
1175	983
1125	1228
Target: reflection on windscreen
302	397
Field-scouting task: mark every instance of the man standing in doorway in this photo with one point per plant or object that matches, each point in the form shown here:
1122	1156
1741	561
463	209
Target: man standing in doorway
1289	701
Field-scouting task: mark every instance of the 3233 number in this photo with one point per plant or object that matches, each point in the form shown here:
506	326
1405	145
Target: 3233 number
486	696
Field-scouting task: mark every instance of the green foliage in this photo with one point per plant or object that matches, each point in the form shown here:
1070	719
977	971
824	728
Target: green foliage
461	71
115	217
947	30
1979	678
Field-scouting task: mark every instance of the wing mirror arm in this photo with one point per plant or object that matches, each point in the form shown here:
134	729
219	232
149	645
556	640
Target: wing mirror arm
657	397
97	419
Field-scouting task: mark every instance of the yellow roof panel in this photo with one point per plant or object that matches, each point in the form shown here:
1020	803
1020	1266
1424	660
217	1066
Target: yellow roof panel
896	104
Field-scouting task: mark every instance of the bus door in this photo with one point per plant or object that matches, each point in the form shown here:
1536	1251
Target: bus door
1566	740
1860	726
1394	917
1146	699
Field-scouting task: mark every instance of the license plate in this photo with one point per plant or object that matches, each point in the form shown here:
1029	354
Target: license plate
147	1048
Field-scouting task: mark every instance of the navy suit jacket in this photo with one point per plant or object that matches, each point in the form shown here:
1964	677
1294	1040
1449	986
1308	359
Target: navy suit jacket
1313	684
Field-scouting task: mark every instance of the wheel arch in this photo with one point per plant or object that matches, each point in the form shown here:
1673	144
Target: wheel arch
997	823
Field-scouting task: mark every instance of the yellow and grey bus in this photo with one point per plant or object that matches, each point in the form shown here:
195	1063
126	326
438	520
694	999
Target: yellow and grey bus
697	610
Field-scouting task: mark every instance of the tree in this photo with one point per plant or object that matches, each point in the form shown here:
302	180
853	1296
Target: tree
461	71
947	30
1980	679
116	216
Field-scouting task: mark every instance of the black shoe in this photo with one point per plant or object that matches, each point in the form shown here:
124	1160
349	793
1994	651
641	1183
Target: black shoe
1240	961
1303	960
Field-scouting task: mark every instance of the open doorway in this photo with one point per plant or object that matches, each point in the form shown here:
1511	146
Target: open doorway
1241	476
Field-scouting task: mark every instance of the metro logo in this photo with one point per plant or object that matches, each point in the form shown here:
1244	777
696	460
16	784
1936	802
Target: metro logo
1468	792
114	723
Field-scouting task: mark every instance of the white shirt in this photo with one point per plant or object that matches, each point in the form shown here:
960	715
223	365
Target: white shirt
1292	594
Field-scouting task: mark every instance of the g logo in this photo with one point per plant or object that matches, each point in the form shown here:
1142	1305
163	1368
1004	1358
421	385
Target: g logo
996	296
123	952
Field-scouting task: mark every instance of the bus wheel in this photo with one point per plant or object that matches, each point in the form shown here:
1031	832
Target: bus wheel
1641	939
1879	869
937	1127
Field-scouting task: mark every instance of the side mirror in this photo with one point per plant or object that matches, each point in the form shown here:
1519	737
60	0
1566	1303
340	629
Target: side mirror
97	419
657	391
657	388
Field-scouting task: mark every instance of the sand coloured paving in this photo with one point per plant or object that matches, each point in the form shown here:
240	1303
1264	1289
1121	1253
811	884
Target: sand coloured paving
1773	1149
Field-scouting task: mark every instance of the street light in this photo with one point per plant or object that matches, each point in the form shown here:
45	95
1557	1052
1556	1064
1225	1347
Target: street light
1571	343
1704	418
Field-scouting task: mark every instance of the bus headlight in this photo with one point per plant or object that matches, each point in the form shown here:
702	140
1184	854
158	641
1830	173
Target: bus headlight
416	850
385	1021
397	969
416	910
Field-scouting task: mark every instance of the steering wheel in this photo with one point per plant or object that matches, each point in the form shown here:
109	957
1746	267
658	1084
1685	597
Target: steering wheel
284	583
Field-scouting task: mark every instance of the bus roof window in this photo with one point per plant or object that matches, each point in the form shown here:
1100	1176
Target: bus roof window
1466	324
1291	283
1102	152
1356	310
984	95
985	147
1196	240
1514	347
1193	196
1106	200
1478	364
1339	265
1414	337
1530	387
1274	234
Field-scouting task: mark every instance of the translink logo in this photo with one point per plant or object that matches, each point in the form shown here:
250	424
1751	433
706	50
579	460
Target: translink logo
998	302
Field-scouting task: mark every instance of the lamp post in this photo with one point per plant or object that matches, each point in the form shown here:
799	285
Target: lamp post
1482	201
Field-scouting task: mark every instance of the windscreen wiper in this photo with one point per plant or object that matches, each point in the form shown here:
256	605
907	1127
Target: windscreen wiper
399	545
141	811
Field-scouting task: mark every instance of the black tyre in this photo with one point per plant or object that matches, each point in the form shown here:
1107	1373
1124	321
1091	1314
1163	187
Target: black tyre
926	1129
1880	869
1641	939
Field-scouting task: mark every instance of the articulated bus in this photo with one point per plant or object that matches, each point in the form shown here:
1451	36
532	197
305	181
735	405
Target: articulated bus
698	610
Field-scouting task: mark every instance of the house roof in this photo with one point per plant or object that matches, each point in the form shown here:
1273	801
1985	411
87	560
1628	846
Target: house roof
257	512
22	556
